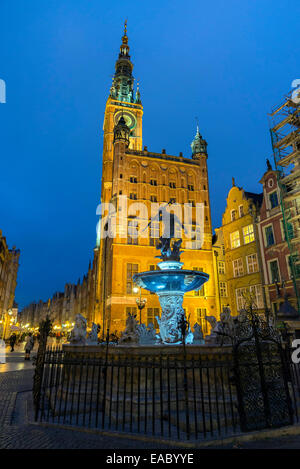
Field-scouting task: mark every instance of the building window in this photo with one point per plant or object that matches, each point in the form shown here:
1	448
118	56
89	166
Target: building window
153	267
192	203
238	267
273	199
256	293
274	271
241	211
154	233
153	198
233	215
200	292
131	310
221	267
172	185
131	270
269	236
235	239
240	298
248	234
132	232
223	289
190	187
153	182
133	196
133	180
172	201
201	313
252	264
152	313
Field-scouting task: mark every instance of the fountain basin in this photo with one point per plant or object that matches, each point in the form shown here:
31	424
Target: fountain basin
163	281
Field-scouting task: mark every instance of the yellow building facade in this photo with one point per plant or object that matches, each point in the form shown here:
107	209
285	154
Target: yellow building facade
242	254
132	175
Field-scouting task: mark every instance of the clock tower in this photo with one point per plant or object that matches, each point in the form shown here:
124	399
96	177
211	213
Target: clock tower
122	101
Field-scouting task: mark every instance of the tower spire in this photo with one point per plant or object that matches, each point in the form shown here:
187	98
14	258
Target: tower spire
199	145
122	86
124	49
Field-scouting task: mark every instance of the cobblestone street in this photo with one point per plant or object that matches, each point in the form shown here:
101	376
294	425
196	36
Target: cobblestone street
17	430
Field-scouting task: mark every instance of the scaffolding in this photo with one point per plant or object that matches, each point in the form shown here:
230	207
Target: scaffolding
285	137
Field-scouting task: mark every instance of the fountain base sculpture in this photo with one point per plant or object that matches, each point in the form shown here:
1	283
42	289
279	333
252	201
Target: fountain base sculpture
130	335
78	334
93	335
147	335
198	338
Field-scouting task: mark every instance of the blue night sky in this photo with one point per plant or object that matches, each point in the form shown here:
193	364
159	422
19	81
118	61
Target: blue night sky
226	61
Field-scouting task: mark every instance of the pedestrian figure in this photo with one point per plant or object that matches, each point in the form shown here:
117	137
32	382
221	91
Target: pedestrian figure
2	351
28	346
12	341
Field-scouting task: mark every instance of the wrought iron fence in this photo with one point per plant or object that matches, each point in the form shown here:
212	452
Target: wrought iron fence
161	396
191	397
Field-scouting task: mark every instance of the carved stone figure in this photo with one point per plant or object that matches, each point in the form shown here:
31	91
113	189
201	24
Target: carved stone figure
213	338
222	330
147	335
212	321
227	321
93	335
130	335
78	334
198	334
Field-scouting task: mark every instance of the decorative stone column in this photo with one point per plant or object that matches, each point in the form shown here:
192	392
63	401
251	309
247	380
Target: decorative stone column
172	312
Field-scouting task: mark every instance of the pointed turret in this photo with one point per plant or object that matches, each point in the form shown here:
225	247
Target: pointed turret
199	145
138	95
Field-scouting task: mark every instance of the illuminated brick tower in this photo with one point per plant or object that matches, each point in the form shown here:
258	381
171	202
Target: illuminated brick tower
136	175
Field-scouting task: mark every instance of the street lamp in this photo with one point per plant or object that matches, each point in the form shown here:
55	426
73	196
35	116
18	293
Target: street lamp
141	302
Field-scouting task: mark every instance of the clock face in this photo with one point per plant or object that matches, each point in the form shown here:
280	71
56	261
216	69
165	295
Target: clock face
129	118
